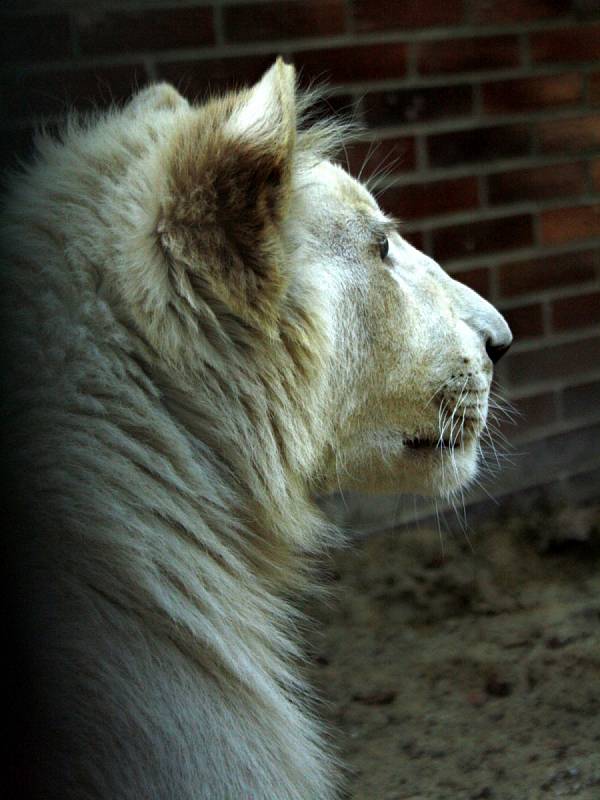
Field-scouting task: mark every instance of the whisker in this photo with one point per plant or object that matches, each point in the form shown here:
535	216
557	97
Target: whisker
439	527
441	386
370	153
383	169
485	491
485	432
498	433
504	405
442	422
500	411
453	440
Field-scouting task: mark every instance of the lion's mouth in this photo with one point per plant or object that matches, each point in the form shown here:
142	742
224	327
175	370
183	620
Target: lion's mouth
423	443
438	443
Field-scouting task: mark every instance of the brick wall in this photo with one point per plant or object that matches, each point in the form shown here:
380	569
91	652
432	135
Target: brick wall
485	116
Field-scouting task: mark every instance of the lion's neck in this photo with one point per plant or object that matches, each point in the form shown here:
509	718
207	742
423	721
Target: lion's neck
264	456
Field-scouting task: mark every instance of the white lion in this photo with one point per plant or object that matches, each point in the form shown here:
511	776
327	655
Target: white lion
207	323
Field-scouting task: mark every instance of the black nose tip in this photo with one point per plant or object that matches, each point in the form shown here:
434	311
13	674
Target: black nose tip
496	351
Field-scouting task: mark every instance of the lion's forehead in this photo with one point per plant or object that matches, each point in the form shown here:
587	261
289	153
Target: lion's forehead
337	210
340	190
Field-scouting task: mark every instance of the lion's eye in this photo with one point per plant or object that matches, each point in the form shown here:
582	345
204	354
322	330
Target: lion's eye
384	247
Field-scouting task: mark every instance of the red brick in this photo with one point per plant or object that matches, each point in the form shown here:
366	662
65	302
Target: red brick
196	79
582	400
386	155
584	487
417	105
567	44
557	455
576	312
478	144
569	224
542	462
532	94
496	12
356	63
330	105
485	236
595	89
39	38
284	20
55	92
595	166
536	411
476	279
468	55
537	183
429	199
415	238
516	500
525	321
584	9
570	135
129	31
376	15
521	277
552	362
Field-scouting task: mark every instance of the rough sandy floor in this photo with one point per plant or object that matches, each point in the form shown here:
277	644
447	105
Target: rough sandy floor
475	674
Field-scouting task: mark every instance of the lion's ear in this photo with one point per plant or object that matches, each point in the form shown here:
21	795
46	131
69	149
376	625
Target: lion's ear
267	113
157	97
229	190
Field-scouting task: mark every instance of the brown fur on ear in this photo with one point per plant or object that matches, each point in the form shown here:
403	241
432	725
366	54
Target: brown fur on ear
229	183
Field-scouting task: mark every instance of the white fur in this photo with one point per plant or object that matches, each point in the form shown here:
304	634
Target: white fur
163	476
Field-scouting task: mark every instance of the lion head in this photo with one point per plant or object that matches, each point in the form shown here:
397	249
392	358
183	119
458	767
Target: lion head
374	364
416	348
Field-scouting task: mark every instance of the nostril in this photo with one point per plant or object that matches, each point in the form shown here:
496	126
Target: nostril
496	351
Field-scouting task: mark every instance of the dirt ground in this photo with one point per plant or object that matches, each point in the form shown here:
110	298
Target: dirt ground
472	673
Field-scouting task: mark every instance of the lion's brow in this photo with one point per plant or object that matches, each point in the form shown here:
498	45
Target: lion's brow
383	227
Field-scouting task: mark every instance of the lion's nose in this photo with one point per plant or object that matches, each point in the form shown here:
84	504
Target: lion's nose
492	329
496	350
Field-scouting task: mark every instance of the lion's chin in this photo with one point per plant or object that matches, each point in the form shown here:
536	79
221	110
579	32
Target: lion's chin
437	470
411	465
